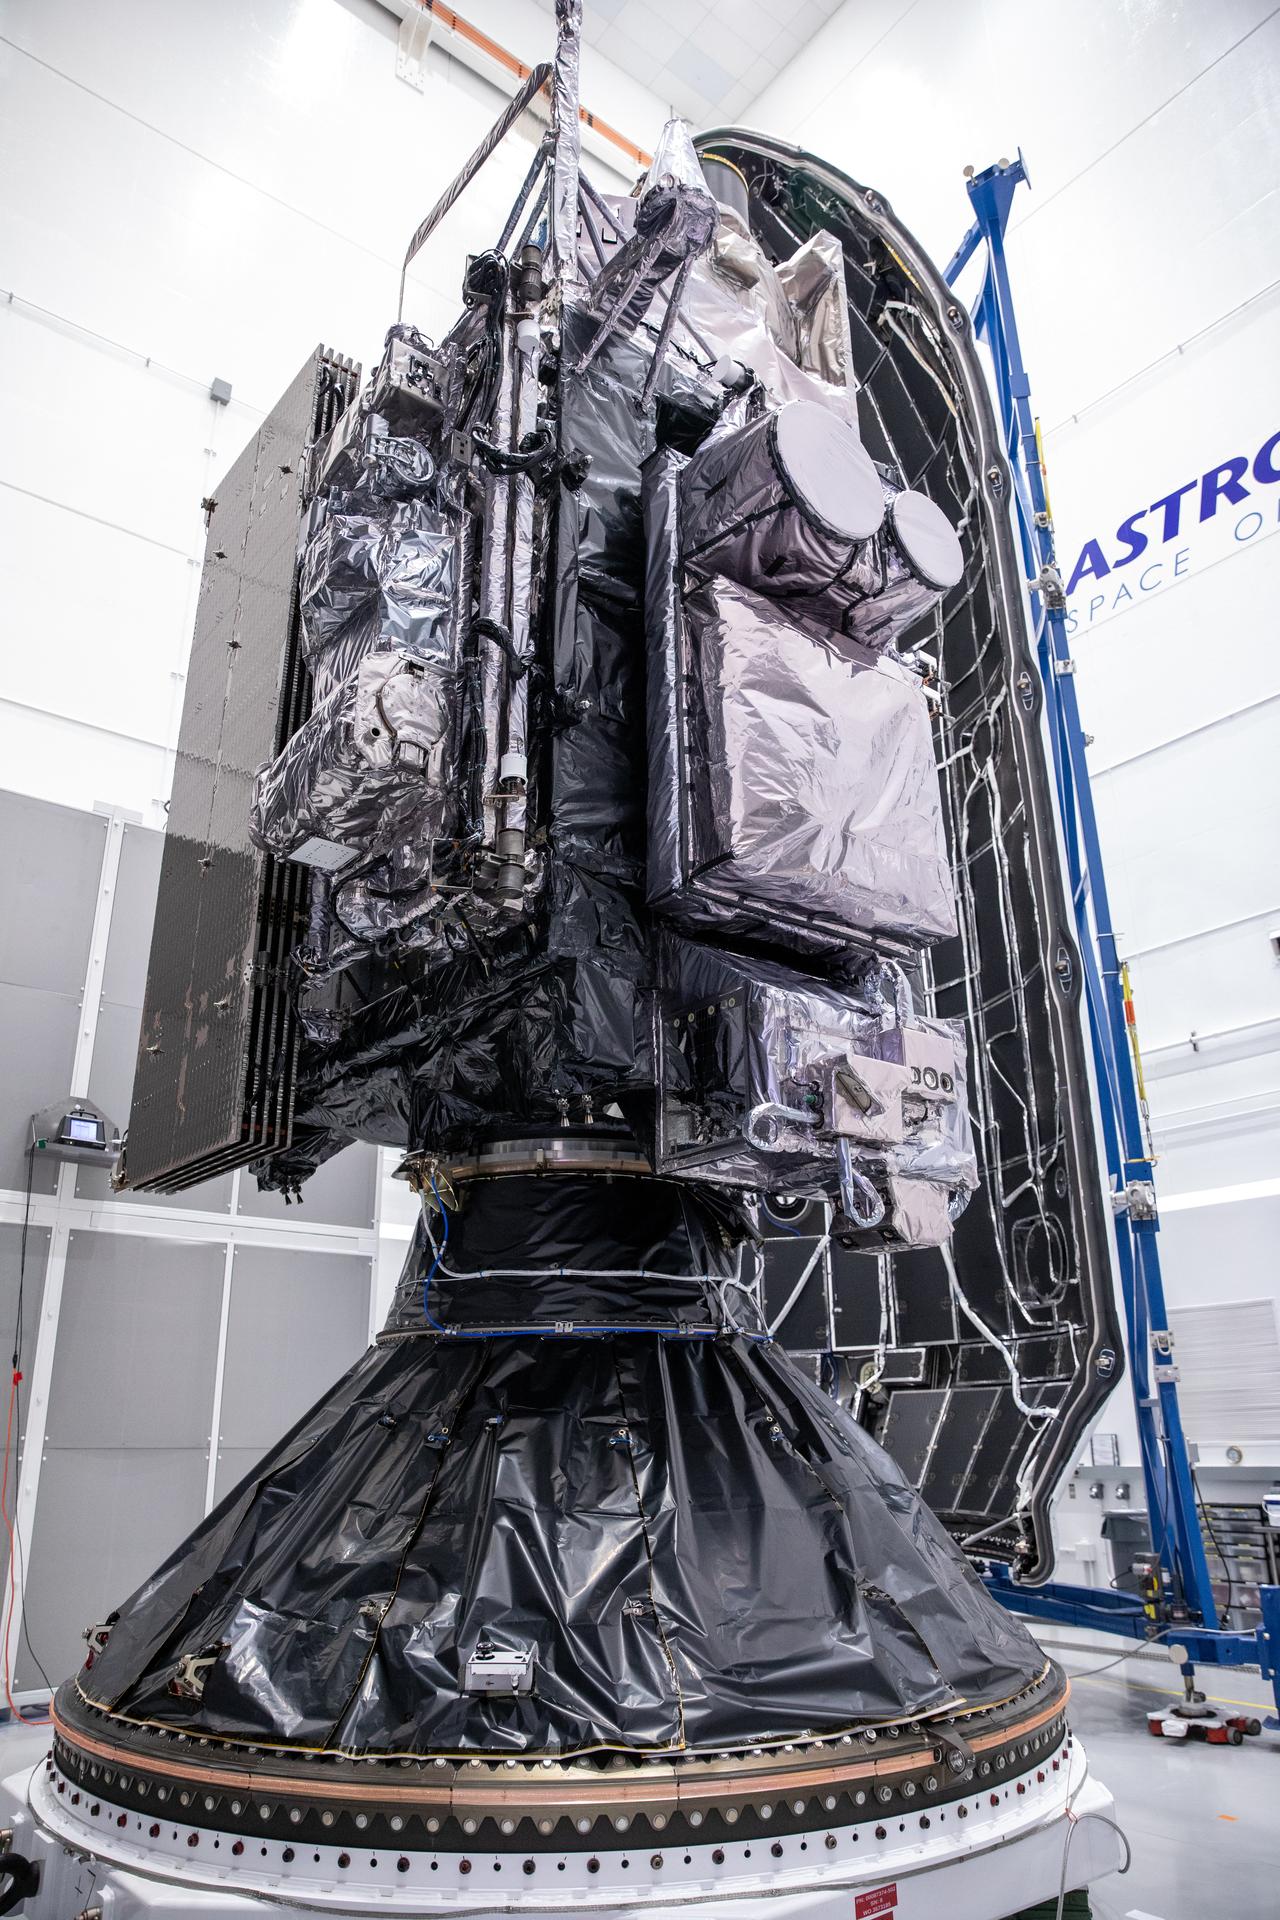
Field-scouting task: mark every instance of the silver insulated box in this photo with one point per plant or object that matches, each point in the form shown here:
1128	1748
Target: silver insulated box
792	506
784	503
793	794
770	1079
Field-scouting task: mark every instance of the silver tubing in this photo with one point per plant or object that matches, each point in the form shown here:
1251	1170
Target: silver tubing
445	1272
903	1005
770	1111
538	213
665	331
521	200
858	1197
593	232
513	763
566	161
601	206
495	574
1006	1354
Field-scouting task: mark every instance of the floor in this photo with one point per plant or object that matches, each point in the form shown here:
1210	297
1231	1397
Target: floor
1203	1821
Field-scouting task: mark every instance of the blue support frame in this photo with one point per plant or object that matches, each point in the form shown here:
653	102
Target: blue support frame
1170	1487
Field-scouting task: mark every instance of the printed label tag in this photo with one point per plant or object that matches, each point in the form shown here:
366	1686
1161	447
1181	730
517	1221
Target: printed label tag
867	1906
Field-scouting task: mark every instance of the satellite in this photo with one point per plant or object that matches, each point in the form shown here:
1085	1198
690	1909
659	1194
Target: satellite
611	774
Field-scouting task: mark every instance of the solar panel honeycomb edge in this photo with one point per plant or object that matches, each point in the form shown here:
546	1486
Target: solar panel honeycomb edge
216	1042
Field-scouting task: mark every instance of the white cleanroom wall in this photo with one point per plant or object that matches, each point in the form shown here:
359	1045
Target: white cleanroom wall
200	193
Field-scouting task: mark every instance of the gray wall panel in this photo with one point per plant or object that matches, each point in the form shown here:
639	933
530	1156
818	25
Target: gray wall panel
340	1193
137	1343
234	1465
115	1049
38	1239
297	1322
50	864
11	1270
37	1050
124	974
124	1466
105	1519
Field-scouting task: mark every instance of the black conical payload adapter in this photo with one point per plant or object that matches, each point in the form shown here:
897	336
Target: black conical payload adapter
653	1524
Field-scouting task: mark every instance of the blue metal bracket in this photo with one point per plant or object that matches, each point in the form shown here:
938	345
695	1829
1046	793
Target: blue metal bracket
1166	1467
1103	1610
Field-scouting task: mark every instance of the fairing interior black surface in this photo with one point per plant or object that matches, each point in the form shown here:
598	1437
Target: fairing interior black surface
978	1366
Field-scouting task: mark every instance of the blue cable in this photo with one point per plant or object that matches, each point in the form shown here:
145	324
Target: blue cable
785	1225
440	1253
459	1333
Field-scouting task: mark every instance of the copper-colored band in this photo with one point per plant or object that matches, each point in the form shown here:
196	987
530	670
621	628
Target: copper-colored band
563	1788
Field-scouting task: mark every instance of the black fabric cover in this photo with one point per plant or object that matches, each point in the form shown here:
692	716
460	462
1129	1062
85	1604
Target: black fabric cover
545	1251
704	1549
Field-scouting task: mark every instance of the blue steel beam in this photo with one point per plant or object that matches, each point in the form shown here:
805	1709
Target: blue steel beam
1105	1611
1171	1496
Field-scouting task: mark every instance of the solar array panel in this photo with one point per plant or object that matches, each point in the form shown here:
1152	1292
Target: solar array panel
217	1058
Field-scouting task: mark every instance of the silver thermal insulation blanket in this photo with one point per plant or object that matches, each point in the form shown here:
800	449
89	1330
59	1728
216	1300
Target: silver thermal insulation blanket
375	574
760	1069
790	504
377	599
789	323
372	760
674	222
793	793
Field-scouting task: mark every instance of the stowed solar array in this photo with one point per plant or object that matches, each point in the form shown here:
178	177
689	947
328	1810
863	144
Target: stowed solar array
216	1070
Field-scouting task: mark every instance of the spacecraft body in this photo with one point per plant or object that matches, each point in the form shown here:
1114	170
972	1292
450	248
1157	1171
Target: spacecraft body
678	710
578	827
721	738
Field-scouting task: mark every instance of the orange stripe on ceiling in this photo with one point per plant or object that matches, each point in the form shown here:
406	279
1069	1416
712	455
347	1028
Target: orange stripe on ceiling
474	37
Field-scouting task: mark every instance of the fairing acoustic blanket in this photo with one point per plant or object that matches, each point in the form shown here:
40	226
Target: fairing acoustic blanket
699	1548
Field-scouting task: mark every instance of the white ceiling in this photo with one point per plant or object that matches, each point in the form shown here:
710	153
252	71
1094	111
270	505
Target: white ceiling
707	59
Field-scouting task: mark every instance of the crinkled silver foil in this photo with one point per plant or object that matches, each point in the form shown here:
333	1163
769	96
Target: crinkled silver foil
741	305
568	139
746	1052
741	518
787	782
814	285
372	757
386	577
